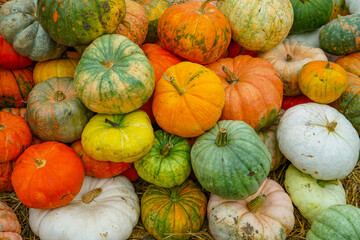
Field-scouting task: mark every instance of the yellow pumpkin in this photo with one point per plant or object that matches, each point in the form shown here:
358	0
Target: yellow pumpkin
322	81
118	137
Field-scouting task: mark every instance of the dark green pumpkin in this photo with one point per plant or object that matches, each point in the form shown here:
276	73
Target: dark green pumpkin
341	36
338	222
55	113
168	162
230	160
309	15
77	22
114	76
19	26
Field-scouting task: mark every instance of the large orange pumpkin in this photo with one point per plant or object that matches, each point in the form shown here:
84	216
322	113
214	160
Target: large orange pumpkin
188	100
253	90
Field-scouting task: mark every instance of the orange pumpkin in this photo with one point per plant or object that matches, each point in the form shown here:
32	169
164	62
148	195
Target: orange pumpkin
351	63
188	100
322	81
10	228
9	58
253	90
5	176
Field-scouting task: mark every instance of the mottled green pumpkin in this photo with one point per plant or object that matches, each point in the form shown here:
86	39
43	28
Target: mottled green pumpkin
230	160
76	22
114	76
309	15
338	222
341	36
168	162
19	26
55	113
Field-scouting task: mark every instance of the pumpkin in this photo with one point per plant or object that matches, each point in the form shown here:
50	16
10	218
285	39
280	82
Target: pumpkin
5	176
312	196
173	213
351	63
118	138
253	90
230	160
9	224
318	140
154	9
47	175
19	26
99	169
131	173
135	23
16	111
268	22
188	100
168	162
307	38
336	222
54	111
114	76
322	81
15	86
104	209
309	15
235	49
268	136
341	36
267	214
339	9
195	30
9	58
288	58
289	102
15	136
353	5
74	23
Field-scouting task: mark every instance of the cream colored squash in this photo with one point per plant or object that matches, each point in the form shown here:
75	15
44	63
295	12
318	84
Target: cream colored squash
307	38
353	5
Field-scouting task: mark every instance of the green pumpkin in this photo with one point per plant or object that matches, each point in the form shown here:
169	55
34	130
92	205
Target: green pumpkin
341	36
168	162
19	26
309	15
74	22
55	113
230	160
114	76
338	222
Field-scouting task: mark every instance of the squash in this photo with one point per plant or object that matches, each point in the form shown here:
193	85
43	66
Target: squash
306	129
47	175
173	213
188	100
351	63
9	58
5	176
341	36
336	222
312	196
54	111
131	173
288	58
339	9
104	209
15	86
268	22
322	81
230	160
19	26
74	23
267	214
16	111
168	162
353	5
307	38
118	138
9	224
289	102
114	76
134	26
253	90
235	49
15	136
195	30
309	15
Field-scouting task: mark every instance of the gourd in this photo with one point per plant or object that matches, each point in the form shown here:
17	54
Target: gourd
9	58
9	225
353	6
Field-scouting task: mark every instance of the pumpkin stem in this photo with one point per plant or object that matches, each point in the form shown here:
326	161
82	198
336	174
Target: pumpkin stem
59	96
331	126
230	76
289	57
39	163
256	203
2	127
89	196
328	66
165	151
203	5
173	195
108	64
322	183
115	125
180	90
221	138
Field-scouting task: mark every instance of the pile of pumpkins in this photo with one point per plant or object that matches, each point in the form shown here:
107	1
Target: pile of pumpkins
95	93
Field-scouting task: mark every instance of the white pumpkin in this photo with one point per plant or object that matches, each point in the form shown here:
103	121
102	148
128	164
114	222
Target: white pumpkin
353	6
312	196
319	141
308	38
104	209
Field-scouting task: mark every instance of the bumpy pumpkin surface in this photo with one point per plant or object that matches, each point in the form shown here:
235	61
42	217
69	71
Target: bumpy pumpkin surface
9	58
9	223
